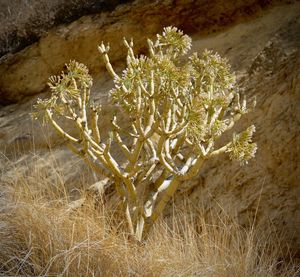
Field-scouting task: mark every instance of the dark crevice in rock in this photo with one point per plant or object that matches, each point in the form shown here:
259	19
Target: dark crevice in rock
24	22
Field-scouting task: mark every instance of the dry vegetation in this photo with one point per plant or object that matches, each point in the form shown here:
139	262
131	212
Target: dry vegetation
41	236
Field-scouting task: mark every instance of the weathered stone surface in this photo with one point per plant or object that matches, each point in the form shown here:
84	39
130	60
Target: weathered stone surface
26	72
265	53
24	22
266	190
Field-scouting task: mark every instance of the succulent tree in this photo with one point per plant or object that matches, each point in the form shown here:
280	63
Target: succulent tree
177	109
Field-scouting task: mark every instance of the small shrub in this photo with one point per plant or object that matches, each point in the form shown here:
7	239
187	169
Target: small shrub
177	111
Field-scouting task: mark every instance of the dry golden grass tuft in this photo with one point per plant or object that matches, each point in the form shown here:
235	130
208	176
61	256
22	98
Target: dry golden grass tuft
41	236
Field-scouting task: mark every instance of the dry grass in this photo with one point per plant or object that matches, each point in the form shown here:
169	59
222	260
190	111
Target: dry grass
39	236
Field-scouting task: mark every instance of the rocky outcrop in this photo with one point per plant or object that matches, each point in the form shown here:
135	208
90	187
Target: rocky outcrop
26	72
24	22
263	50
267	189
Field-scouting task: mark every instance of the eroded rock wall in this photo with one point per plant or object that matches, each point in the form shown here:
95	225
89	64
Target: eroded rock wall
26	72
23	22
267	190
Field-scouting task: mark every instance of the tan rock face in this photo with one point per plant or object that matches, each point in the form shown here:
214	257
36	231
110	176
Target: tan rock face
26	72
265	53
268	188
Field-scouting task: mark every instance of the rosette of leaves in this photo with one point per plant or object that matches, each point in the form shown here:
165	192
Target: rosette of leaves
177	107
